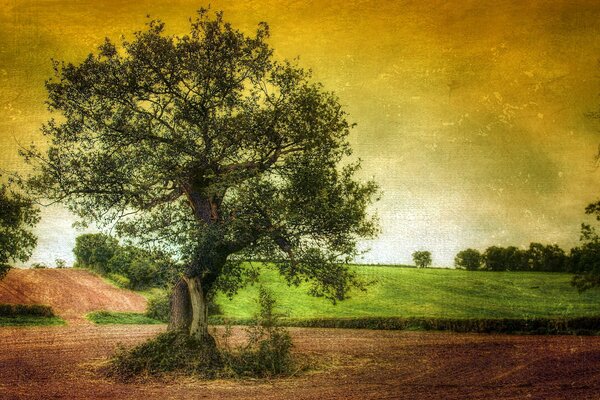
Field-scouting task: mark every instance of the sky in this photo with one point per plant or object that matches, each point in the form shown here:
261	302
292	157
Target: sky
470	114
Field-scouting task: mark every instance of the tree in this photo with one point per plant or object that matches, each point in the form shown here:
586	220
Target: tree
494	259
422	259
549	258
206	146
17	216
585	260
469	259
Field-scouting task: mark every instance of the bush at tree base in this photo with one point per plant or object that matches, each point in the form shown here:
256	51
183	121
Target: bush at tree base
266	353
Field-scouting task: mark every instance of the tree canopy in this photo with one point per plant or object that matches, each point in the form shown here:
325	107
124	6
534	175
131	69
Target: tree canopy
17	216
422	258
207	146
469	259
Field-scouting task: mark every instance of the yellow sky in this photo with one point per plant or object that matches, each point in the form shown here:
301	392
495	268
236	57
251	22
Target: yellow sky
470	114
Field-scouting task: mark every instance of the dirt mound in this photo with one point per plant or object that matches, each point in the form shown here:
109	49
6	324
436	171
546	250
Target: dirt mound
71	293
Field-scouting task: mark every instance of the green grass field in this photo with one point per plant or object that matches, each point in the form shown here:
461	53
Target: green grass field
428	293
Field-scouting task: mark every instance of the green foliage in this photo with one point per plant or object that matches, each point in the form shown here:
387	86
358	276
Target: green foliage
159	307
17	216
33	310
114	317
119	280
127	266
60	263
422	259
538	257
469	259
94	251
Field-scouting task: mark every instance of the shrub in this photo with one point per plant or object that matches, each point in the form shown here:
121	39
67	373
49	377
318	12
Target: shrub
119	280
268	350
33	310
60	263
170	351
159	306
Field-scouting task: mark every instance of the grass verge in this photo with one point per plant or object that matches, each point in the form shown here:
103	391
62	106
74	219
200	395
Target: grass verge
114	317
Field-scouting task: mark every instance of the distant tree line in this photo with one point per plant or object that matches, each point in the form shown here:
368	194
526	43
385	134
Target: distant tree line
580	260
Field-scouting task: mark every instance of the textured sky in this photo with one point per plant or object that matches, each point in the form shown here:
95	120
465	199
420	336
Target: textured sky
469	114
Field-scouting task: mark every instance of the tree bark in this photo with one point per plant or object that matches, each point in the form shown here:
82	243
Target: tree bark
199	302
181	308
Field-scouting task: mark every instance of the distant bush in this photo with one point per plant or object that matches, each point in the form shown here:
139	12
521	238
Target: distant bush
38	266
32	310
60	263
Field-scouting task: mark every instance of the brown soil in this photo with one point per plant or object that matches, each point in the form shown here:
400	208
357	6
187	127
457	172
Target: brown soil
62	363
71	293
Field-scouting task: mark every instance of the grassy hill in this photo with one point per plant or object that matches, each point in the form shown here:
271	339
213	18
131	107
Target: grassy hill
429	293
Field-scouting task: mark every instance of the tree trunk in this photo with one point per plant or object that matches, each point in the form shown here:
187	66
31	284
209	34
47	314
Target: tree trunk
199	302
189	309
181	308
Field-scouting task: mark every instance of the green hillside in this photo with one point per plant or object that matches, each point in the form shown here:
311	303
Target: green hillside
429	293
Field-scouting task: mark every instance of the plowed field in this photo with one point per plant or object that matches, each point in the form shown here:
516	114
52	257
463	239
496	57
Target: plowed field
61	363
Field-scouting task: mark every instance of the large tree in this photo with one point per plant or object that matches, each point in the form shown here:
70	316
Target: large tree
208	146
17	216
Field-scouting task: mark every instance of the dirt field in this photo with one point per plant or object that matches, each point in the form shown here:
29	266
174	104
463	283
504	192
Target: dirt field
62	362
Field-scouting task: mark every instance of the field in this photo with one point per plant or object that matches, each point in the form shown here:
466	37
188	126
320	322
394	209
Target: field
429	293
49	362
62	362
